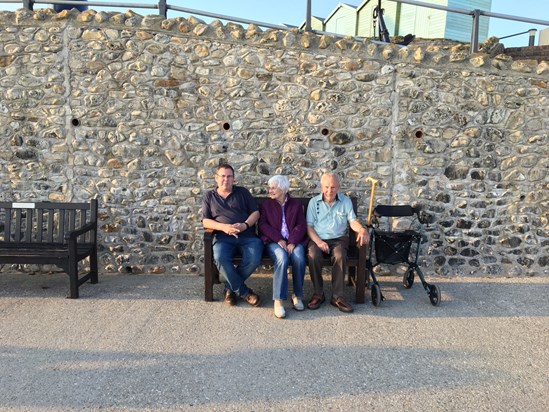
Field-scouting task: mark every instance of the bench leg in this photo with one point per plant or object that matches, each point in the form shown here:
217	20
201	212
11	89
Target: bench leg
73	278
360	283
94	276
208	281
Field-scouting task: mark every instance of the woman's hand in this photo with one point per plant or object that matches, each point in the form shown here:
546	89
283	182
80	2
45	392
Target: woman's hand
290	248
282	244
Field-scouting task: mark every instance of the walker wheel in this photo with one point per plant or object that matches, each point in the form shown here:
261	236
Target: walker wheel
434	295
376	295
408	279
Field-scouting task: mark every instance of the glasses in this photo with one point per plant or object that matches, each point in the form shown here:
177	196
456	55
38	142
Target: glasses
225	176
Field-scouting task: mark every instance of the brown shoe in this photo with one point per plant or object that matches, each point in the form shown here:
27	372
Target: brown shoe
316	301
230	298
252	298
341	304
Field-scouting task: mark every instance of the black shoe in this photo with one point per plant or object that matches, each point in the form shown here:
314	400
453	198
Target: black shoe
230	298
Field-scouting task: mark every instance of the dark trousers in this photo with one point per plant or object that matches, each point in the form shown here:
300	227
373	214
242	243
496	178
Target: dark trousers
338	257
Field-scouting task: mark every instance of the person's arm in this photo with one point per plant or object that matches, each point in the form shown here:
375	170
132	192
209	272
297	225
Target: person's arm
362	235
322	245
311	232
228	228
268	231
251	220
297	226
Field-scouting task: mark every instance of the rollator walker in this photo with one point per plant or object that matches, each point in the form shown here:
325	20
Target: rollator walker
394	247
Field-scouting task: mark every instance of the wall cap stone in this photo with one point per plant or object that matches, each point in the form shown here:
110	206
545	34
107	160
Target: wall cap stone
420	51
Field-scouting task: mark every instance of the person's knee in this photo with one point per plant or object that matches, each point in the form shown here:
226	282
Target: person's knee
339	259
255	259
314	253
281	258
298	252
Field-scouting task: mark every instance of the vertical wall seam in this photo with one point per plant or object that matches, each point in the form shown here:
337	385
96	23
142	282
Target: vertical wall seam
393	128
69	135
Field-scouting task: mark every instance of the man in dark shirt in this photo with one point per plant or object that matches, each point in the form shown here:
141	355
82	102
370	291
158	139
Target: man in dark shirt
232	212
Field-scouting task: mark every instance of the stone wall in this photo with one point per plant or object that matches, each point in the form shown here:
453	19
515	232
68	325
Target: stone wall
139	110
538	53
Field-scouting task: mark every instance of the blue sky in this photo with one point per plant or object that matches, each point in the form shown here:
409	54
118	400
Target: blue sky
293	12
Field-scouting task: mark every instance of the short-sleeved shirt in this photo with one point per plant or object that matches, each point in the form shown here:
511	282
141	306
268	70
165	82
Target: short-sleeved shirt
330	222
235	208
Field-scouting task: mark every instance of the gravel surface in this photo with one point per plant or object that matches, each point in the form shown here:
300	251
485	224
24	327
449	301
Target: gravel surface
139	343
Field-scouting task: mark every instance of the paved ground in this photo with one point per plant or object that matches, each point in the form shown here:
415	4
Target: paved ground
151	343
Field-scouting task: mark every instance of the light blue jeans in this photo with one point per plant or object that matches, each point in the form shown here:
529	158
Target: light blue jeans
281	263
225	247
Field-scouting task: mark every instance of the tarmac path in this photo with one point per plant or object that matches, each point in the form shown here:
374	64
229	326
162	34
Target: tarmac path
151	343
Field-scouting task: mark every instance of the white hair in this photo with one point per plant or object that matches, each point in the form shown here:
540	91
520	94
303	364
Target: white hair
329	175
281	182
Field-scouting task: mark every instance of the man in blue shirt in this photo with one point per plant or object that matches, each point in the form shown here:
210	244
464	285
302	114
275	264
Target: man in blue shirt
232	212
328	216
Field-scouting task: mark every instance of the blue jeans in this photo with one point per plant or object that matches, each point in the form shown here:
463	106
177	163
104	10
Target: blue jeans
225	247
280	276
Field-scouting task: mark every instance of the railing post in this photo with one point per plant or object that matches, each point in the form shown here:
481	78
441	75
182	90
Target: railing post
532	38
28	4
474	31
162	9
308	17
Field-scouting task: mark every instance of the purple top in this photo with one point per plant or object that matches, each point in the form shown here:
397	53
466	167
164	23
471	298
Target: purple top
270	222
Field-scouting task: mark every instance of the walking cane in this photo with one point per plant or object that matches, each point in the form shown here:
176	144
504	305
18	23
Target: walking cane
372	191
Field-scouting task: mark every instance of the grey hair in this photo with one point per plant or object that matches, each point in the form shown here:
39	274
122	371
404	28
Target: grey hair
281	182
335	176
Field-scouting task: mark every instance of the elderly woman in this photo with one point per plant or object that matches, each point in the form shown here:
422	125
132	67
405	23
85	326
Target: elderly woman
283	229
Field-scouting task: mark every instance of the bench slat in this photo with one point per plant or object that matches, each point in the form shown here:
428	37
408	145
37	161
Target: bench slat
28	224
49	230
39	226
17	234
61	231
7	226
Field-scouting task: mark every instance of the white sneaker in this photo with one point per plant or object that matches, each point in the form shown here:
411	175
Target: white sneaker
298	304
279	310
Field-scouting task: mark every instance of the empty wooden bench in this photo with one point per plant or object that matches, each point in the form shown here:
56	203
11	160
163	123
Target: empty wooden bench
356	259
60	234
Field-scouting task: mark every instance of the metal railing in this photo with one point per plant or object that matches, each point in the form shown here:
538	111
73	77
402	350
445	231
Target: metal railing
475	14
162	6
531	36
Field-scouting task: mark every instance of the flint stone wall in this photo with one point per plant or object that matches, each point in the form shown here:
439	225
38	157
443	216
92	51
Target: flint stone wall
138	111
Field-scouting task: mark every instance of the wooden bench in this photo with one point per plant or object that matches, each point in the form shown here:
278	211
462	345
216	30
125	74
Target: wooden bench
61	234
356	259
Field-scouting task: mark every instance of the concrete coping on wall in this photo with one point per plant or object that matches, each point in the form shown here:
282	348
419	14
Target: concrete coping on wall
438	51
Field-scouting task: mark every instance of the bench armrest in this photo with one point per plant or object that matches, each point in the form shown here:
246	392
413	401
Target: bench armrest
73	234
208	235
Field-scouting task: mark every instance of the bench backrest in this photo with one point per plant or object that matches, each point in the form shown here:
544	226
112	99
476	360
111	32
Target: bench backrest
45	222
